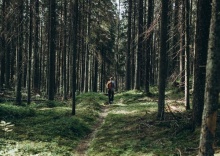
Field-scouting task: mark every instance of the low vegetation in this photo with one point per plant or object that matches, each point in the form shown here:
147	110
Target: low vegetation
129	127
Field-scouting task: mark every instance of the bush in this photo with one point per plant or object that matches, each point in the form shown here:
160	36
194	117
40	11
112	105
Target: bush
13	111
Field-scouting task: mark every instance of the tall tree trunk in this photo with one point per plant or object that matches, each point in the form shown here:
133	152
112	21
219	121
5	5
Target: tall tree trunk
201	47
133	45
182	45
30	53
149	45
162	60
64	52
95	76
88	34
3	44
52	50
25	57
175	37
74	52
19	54
212	88
128	53
187	53
36	49
7	47
140	46
117	56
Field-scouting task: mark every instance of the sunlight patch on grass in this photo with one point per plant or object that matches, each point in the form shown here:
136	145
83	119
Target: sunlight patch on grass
134	108
35	148
124	112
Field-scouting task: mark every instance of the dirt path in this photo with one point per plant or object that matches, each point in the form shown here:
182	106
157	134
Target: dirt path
83	146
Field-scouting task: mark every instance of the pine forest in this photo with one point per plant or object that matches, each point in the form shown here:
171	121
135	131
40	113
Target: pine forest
160	56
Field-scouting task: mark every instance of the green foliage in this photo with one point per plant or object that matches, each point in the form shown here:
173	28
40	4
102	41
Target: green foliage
51	129
8	111
6	126
90	98
52	104
131	128
133	96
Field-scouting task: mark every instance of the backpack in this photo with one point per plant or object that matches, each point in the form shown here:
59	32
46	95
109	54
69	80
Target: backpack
110	85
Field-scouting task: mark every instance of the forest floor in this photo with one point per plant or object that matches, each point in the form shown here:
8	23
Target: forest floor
85	143
128	127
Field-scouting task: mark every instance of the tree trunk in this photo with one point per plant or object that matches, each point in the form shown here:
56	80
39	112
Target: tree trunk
182	45
162	60
30	53
212	88
140	47
176	37
201	47
88	34
149	45
64	52
133	46
36	50
52	50
3	44
7	48
19	54
95	77
128	62
74	52
187	53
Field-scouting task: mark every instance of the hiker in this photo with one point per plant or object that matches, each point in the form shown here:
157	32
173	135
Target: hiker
111	88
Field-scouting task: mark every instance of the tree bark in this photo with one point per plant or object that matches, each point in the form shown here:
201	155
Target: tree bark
36	84
212	88
64	52
201	47
52	50
128	54
19	54
149	45
74	52
162	60
187	57
88	34
140	46
3	44
30	53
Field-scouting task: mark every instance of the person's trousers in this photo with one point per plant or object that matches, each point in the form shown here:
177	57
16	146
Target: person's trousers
110	95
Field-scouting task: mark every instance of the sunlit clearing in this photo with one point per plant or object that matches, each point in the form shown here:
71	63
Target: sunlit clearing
125	112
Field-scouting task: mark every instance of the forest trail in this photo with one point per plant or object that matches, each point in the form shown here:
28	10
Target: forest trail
83	146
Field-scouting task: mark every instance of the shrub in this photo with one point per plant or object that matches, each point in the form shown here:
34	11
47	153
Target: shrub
13	111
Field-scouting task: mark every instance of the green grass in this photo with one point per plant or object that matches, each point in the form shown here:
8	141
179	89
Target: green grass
130	127
49	128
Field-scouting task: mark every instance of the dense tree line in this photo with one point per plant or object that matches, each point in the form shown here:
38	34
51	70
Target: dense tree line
46	44
57	48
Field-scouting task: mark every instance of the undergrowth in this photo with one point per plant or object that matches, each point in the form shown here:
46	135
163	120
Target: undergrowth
130	127
48	128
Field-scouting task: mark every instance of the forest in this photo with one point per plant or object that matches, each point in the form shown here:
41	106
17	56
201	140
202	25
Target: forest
56	57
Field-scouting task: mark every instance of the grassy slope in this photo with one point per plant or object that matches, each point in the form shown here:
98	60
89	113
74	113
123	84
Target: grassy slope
130	127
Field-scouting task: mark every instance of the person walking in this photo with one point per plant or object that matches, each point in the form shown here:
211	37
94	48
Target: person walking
111	89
